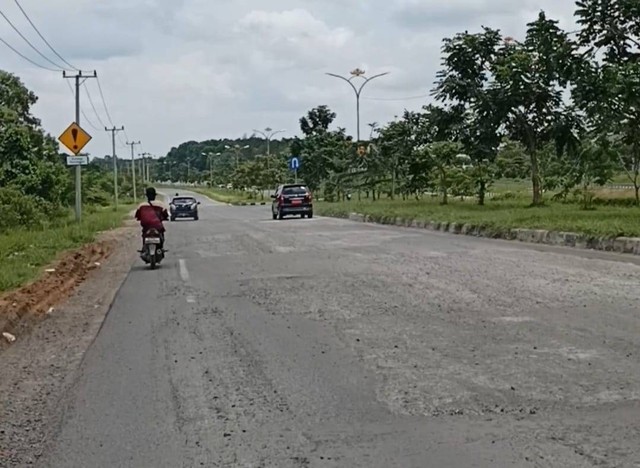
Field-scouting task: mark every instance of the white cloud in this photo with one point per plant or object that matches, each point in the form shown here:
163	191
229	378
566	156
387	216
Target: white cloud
176	70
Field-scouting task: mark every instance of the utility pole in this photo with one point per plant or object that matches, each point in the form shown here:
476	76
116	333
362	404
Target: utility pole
143	171
77	77
113	131
146	172
268	134
133	168
357	73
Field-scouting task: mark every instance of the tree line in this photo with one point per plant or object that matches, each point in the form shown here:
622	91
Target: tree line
36	187
555	107
559	108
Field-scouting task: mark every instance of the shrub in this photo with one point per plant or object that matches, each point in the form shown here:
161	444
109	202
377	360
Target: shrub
19	210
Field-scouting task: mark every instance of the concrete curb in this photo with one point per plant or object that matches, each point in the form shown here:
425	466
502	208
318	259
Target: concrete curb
627	245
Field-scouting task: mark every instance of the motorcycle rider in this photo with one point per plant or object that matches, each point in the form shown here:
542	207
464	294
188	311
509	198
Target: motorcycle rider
152	215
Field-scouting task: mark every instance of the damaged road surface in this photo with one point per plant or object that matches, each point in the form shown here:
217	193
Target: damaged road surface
327	343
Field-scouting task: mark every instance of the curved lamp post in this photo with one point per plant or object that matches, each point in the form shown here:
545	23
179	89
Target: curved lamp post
357	73
268	134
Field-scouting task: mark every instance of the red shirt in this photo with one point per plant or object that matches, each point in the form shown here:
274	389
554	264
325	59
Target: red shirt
151	216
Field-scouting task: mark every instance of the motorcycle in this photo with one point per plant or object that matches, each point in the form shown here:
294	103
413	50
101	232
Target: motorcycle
152	252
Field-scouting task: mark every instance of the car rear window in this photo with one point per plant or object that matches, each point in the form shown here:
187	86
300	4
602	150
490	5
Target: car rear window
295	190
184	200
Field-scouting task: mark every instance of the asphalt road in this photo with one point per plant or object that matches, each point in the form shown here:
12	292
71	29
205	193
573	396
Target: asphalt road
327	343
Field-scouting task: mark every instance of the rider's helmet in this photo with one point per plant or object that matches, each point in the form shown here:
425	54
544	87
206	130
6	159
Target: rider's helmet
151	193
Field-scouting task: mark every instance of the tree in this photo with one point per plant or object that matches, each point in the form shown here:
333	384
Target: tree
611	25
529	80
317	121
465	84
512	161
29	159
593	164
444	156
396	150
607	87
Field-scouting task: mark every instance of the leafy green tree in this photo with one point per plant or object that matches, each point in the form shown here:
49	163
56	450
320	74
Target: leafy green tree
29	159
445	158
464	83
608	83
594	164
396	152
512	161
530	78
325	154
317	121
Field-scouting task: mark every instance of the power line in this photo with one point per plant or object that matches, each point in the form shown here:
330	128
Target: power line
104	102
408	98
42	37
30	44
95	111
81	110
27	58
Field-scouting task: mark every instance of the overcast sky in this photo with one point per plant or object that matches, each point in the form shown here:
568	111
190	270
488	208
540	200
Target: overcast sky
179	70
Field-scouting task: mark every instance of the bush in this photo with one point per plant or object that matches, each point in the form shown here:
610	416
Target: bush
19	210
504	196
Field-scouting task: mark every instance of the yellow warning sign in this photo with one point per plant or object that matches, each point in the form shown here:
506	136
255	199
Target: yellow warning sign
74	138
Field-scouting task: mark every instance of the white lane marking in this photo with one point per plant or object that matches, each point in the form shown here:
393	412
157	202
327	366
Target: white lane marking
191	299
184	273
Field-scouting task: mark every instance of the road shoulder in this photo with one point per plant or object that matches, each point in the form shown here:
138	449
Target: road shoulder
38	369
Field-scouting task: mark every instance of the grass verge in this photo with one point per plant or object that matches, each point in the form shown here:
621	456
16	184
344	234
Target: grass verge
226	196
605	221
23	253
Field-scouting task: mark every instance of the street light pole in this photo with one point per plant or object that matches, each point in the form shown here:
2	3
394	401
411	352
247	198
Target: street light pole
268	134
357	73
210	158
237	149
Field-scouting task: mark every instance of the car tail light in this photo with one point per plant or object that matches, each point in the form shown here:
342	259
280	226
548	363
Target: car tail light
308	198
281	200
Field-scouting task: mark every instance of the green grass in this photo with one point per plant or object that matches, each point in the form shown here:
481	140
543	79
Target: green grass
609	221
24	253
225	195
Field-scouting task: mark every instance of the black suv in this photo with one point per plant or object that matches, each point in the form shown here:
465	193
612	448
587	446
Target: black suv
184	207
292	199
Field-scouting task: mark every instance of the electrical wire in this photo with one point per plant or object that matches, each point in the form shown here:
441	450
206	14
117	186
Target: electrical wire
27	58
408	98
81	110
95	111
42	37
104	102
30	44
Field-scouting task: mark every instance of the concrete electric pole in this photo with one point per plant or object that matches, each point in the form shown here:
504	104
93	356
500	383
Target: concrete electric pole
113	131
79	79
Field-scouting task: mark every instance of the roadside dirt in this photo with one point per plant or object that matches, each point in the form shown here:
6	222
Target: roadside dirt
21	309
54	320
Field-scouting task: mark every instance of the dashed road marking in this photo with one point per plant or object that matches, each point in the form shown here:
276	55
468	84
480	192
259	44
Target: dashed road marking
191	299
184	273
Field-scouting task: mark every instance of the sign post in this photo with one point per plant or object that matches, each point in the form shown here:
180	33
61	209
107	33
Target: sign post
75	138
294	165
